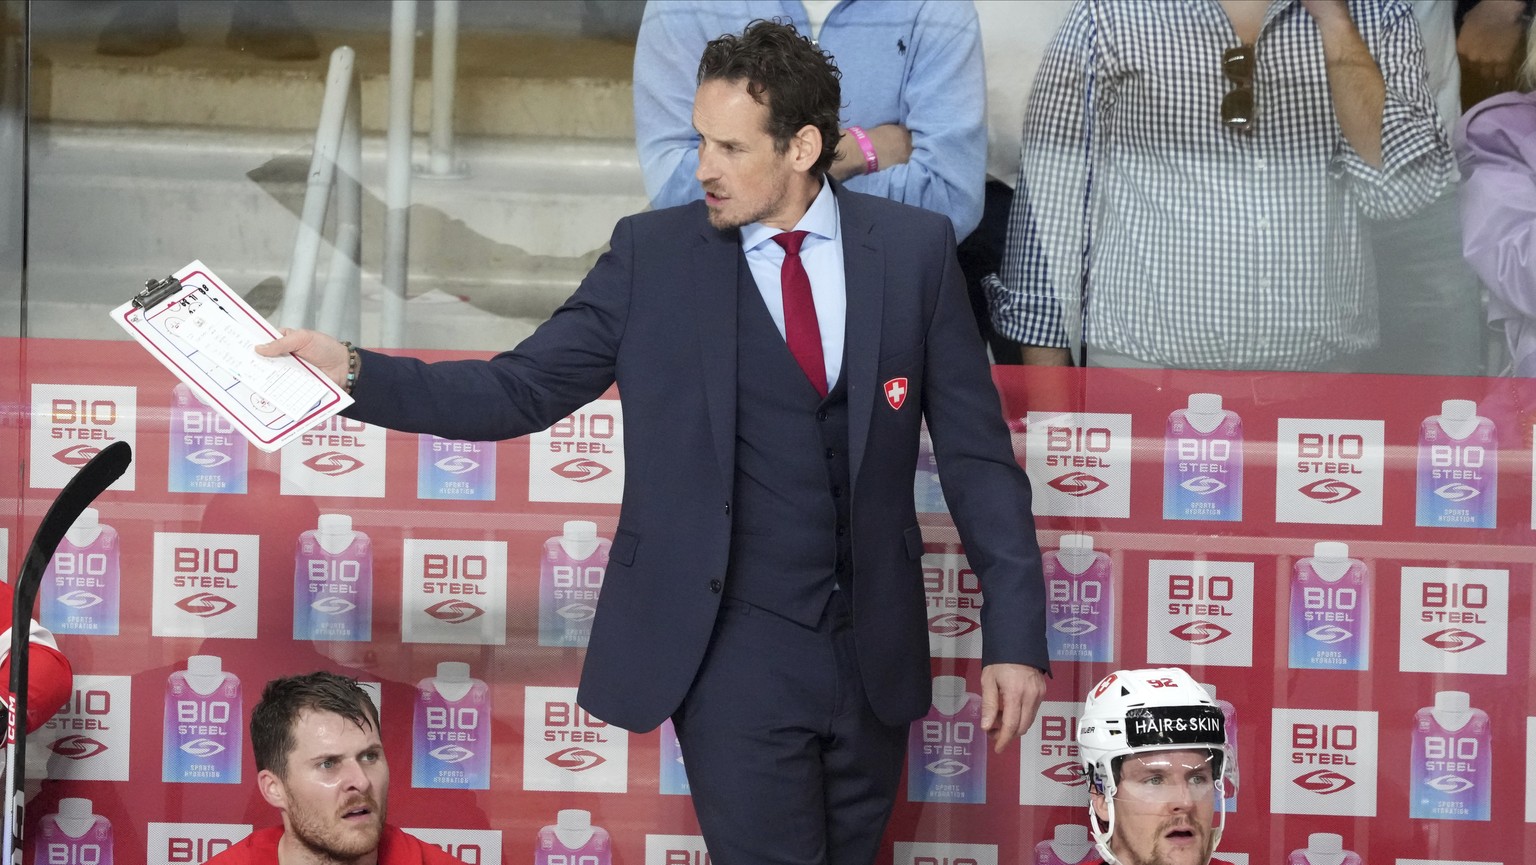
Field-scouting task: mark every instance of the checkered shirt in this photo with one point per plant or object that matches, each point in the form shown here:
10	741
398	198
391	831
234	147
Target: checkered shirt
1208	247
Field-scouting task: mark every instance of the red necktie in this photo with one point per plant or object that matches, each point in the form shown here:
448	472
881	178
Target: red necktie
801	331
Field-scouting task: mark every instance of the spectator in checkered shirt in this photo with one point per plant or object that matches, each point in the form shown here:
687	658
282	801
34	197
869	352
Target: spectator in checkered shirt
1196	177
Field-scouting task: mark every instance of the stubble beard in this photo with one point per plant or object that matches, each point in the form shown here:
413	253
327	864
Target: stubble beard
1158	856
336	844
721	222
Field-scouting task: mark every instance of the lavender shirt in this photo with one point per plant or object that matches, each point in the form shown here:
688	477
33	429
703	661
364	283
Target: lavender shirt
1496	147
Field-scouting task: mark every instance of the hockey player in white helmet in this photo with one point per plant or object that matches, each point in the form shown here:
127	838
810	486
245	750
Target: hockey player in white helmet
1153	747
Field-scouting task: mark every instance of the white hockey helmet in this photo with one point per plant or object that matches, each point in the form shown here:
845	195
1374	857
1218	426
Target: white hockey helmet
1141	711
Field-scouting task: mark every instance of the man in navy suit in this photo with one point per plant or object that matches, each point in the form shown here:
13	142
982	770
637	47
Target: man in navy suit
764	585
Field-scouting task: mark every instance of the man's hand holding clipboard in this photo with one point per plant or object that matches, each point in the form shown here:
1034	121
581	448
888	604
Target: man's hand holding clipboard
206	334
333	358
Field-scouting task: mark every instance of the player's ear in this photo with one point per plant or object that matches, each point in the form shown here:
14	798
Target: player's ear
272	789
805	147
1100	809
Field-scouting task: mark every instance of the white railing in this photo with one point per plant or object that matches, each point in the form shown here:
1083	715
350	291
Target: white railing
336	163
397	170
445	45
441	163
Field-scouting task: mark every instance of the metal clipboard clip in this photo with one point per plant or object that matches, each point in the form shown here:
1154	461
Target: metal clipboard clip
155	291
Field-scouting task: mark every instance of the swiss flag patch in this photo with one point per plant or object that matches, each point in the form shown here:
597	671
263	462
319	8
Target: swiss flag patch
896	392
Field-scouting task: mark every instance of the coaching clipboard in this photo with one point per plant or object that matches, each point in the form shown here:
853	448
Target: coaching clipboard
206	334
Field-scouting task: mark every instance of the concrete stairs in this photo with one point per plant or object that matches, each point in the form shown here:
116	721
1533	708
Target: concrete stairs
140	165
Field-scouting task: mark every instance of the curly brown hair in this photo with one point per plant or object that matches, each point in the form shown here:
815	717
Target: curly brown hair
788	74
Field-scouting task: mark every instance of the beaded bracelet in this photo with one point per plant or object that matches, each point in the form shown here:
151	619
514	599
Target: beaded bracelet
867	147
354	362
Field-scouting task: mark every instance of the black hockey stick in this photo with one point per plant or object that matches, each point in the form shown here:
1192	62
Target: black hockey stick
82	489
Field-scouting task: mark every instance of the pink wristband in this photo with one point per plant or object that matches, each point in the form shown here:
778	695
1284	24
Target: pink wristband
871	161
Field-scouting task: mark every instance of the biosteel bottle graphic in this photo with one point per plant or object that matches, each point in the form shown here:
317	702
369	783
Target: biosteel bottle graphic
1079	590
74	835
1452	773
208	455
1458	468
1330	610
204	724
672	778
455	470
947	750
333	582
80	588
1203	462
570	579
1323	848
1229	715
1069	845
573	840
926	492
452	743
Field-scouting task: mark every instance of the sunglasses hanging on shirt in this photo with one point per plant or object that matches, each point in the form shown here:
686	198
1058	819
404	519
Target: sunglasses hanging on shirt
1237	106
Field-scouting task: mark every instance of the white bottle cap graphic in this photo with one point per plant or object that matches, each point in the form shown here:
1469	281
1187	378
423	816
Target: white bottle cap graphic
1070	840
86	528
74	809
1071	833
334	532
1075	553
1205	403
1458	409
1325	848
452	672
1210	690
574	827
205	673
335	524
1077	542
205	665
1452	709
1453	701
579	538
949	693
74	817
453	681
1205	413
1333	551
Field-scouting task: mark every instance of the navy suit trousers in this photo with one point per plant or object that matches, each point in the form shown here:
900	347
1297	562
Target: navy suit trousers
786	760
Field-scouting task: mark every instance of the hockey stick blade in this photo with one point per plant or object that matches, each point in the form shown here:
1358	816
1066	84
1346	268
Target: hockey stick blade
89	482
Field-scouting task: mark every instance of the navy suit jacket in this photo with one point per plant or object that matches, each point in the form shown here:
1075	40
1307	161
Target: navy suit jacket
657	315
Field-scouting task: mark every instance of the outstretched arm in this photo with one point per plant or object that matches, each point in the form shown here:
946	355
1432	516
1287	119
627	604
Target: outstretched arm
567	362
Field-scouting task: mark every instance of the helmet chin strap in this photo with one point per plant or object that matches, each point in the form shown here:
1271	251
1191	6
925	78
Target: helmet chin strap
1219	819
1101	836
